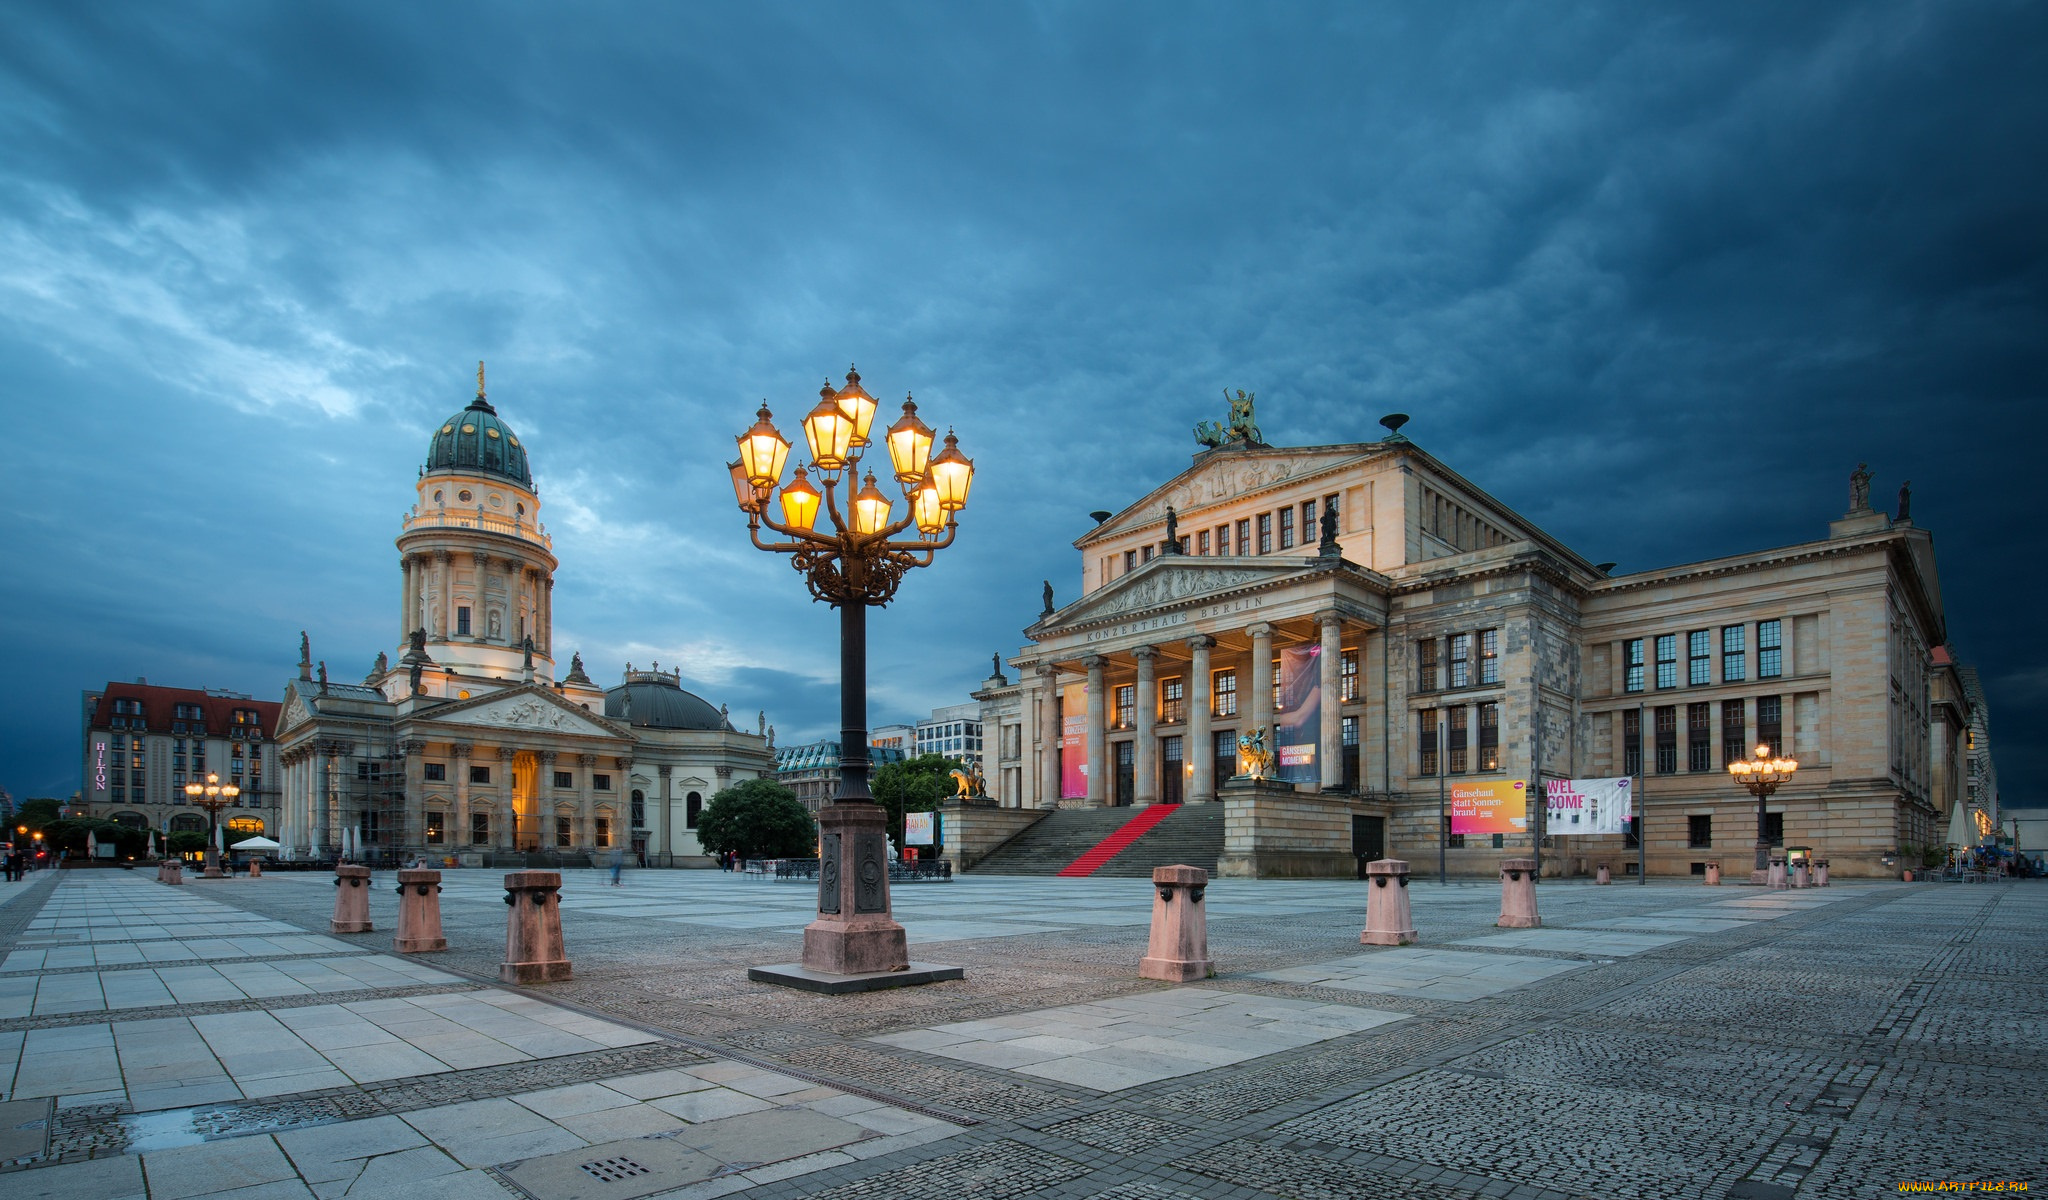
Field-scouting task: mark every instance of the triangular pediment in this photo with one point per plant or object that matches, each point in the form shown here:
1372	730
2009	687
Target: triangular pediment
533	709
1172	582
295	711
1222	477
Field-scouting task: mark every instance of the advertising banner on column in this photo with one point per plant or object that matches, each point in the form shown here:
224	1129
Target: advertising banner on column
917	829
1298	718
1584	806
1074	741
1501	806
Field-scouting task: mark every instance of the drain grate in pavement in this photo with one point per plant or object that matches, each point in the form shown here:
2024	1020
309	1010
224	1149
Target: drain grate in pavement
611	1170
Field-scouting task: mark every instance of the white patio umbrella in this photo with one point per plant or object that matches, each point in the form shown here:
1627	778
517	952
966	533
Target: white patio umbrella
152	845
92	844
1960	831
257	843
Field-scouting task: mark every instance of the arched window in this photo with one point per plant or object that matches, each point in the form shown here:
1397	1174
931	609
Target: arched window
187	823
132	820
639	810
693	807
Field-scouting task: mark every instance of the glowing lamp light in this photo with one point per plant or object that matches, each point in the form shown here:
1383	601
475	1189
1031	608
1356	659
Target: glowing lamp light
954	473
858	406
830	432
870	509
926	509
799	502
762	450
910	444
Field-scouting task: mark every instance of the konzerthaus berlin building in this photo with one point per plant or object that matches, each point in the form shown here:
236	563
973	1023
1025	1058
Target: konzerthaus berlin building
1456	642
468	743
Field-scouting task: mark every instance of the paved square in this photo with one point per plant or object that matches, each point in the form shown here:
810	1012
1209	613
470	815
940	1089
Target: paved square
1430	974
1117	1044
1574	941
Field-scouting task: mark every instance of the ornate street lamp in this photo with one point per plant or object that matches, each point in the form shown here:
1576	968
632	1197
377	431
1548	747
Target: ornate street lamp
212	796
857	563
1762	775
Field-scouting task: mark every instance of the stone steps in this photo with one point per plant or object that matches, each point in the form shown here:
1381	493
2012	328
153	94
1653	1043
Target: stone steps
1191	836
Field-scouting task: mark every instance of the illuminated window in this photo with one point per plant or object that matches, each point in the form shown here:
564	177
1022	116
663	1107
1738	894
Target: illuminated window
1489	656
1489	736
437	826
1126	706
1223	686
1173	705
1347	675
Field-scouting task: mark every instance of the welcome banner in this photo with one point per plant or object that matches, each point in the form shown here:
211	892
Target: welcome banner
1588	806
1496	807
1298	718
1074	741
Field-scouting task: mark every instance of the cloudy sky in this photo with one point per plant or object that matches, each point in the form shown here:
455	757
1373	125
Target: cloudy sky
1657	278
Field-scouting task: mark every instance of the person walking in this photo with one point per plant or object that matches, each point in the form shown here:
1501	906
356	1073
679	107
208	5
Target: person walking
618	865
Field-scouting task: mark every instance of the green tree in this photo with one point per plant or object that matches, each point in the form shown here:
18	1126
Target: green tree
758	818
913	785
185	841
36	814
70	835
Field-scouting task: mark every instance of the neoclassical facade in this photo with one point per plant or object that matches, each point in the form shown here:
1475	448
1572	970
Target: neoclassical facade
1448	641
467	742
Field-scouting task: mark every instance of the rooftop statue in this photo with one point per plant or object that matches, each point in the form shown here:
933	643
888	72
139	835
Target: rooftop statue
1242	430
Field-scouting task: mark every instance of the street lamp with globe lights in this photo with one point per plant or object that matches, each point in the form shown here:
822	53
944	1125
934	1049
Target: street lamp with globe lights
1762	774
859	562
212	796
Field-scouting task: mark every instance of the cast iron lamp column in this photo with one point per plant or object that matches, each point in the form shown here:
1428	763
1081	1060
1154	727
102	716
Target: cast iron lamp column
212	797
1762	775
854	565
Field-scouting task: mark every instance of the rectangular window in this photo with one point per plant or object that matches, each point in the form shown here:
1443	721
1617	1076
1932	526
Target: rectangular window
479	774
1632	742
437	828
462	619
1223	539
1173	703
1347	675
1699	832
1699	658
1699	737
1667	739
565	780
1453	841
1734	735
1286	528
1244	536
604	831
1734	663
1770	650
1774	828
1458	717
1489	736
1201	541
1489	656
1276	683
479	829
1126	706
1667	660
1223	685
1461	660
563	839
1265	533
1308	522
636	810
1426	670
1770	723
1224	754
1426	760
1145	553
1632	836
1632	660
1130	561
601	783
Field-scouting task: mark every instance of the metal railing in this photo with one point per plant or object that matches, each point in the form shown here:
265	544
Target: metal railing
529	531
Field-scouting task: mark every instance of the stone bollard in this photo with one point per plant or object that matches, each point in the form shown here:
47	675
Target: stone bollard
351	899
174	873
533	928
1388	921
1713	874
419	912
1179	949
1799	878
1518	894
1776	878
1820	872
255	868
1604	876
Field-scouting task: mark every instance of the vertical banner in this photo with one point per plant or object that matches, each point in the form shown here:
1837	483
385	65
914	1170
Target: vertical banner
1588	806
101	765
1298	718
1500	806
1074	741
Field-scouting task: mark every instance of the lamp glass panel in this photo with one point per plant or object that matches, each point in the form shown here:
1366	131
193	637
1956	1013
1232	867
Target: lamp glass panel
799	502
830	433
910	446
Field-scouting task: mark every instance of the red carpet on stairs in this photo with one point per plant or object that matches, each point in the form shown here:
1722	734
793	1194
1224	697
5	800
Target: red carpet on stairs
1108	848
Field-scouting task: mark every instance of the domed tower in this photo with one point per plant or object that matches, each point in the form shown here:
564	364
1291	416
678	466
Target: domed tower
479	569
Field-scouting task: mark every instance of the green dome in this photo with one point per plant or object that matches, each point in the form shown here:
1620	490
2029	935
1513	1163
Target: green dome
476	440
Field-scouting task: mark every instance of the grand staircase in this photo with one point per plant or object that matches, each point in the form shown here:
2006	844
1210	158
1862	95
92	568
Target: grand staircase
1190	835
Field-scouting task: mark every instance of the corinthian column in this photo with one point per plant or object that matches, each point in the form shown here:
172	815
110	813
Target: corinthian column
1262	679
1198	749
1330	738
1049	734
1098	733
1146	789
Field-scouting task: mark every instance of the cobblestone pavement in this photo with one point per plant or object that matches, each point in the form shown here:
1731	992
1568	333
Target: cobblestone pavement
1759	1046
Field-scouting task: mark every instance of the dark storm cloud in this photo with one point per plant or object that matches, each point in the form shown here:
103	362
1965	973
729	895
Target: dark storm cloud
1657	279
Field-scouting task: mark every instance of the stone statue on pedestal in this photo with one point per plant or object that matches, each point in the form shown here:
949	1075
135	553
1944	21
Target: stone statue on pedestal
1048	599
1906	501
1859	488
1172	545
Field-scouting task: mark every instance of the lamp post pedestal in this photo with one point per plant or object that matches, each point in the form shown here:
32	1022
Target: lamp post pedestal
854	933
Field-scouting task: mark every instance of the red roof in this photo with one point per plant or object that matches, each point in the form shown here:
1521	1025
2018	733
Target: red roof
159	708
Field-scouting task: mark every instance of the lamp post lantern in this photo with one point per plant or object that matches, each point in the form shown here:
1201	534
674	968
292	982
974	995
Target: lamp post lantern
212	796
1762	774
858	562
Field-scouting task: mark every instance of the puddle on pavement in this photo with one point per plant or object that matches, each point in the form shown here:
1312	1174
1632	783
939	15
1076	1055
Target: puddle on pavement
161	1130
